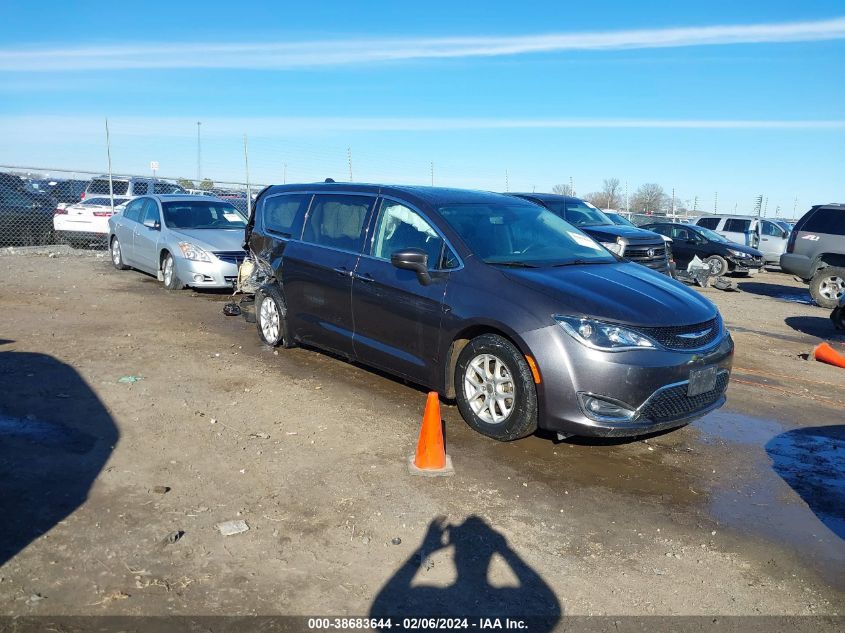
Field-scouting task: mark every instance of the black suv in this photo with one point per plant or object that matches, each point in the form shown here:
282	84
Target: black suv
816	253
488	299
630	242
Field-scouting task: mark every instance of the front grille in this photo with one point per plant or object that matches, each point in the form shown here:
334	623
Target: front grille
674	337
646	254
674	403
231	257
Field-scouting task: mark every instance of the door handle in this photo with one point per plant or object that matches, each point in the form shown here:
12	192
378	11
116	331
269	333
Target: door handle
343	270
365	277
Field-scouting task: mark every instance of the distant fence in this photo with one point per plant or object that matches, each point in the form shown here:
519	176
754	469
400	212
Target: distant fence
42	206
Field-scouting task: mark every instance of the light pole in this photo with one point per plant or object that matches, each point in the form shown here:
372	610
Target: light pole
199	155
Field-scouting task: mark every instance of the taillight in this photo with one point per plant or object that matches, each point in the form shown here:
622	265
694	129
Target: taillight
60	211
83	196
102	214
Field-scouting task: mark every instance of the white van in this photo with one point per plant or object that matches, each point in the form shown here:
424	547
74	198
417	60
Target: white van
760	233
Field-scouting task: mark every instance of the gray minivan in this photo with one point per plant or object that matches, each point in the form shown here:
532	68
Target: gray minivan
494	301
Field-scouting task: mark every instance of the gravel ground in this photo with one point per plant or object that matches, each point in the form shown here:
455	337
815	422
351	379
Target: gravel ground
134	421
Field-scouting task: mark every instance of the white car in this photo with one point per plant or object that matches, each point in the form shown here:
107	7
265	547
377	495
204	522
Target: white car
84	222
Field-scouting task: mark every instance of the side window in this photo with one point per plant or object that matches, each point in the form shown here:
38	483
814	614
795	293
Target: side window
708	223
826	221
735	225
283	214
133	210
681	234
337	221
150	211
399	227
771	229
139	188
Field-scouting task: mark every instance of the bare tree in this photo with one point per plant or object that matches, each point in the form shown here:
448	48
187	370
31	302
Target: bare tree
610	196
649	198
563	190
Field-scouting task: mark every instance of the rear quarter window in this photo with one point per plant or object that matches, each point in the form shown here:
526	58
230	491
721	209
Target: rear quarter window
282	215
101	186
831	221
735	225
708	223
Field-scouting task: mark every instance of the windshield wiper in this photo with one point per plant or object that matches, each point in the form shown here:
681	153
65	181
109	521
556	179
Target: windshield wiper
514	264
579	262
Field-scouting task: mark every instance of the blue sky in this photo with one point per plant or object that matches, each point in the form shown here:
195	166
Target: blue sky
740	98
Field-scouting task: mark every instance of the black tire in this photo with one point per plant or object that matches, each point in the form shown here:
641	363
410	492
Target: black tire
169	274
521	419
116	257
271	317
718	265
823	286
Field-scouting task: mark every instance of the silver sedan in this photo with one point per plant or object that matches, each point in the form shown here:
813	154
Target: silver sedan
183	240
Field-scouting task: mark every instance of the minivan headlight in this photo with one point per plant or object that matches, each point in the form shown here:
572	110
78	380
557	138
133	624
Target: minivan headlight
739	254
193	252
607	337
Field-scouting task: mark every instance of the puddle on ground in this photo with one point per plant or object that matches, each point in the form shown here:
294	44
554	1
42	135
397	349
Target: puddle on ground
793	491
47	434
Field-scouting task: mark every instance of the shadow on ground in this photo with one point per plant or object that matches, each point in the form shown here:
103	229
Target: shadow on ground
820	327
776	291
471	595
55	437
812	461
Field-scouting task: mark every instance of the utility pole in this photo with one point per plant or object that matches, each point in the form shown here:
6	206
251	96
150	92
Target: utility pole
794	207
507	184
673	202
349	160
695	204
199	155
246	165
572	185
627	204
285	175
108	156
758	205
765	206
716	203
432	173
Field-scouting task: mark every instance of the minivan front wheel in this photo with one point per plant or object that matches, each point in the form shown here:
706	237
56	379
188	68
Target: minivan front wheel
827	286
495	389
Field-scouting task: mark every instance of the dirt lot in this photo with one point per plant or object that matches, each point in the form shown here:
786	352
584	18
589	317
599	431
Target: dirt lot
742	512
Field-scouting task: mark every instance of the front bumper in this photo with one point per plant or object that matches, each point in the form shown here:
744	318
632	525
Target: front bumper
213	274
651	382
744	264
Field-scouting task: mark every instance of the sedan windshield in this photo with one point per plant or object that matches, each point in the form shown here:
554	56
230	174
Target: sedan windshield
522	235
202	214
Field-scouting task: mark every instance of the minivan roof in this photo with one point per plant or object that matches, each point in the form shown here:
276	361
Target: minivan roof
430	195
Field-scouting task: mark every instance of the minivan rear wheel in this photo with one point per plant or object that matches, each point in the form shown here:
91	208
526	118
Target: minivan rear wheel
271	317
495	389
827	286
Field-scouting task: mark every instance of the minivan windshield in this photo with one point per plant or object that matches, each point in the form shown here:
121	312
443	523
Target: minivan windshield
202	214
522	235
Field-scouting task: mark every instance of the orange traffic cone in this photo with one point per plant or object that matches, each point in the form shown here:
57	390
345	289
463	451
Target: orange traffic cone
826	354
431	458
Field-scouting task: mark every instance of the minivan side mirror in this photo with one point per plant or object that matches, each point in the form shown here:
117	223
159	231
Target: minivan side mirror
413	259
152	224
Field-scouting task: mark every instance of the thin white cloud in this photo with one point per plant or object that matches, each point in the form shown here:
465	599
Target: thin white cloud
34	128
332	53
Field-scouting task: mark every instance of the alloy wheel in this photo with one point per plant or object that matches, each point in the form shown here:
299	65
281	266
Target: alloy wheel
489	388
168	271
270	319
832	287
115	252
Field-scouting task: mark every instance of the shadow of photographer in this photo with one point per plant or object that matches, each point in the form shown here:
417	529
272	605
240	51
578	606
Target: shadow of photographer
471	595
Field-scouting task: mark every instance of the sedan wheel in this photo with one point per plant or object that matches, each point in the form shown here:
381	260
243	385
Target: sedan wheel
168	274
718	265
117	255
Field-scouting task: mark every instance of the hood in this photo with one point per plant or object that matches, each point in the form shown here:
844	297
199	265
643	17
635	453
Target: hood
211	239
609	233
742	248
625	293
